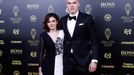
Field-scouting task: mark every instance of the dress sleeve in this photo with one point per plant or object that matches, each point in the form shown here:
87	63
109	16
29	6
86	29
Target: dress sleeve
41	51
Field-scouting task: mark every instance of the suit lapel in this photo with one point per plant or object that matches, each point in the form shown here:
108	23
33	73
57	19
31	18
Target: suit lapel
77	24
65	28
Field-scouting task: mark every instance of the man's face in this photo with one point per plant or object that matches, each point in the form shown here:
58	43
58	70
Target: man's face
73	6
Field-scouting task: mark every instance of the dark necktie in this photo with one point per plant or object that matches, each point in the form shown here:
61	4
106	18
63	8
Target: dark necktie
72	17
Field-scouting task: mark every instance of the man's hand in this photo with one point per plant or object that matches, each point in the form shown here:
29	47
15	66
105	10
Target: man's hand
92	67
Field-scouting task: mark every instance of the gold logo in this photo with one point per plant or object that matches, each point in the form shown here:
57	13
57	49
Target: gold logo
33	6
15	11
128	65
127	31
32	73
33	54
1	53
33	18
16	42
107	17
15	19
128	8
33	42
108	5
107	55
67	11
33	33
88	9
2	21
16	72
107	33
2	31
127	53
2	42
16	31
50	9
16	51
16	62
33	64
128	19
0	11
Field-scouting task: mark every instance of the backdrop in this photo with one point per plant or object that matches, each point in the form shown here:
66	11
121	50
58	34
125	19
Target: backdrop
21	24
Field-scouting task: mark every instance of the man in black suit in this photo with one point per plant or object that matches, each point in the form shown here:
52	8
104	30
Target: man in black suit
80	39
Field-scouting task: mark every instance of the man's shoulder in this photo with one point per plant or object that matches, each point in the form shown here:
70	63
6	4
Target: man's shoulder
85	16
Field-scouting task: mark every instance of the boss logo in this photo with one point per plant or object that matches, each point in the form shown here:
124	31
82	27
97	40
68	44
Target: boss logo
108	5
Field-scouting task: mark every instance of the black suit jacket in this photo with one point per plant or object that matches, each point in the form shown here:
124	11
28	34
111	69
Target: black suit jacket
84	33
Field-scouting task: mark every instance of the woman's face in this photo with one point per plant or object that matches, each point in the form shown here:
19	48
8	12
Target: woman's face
52	23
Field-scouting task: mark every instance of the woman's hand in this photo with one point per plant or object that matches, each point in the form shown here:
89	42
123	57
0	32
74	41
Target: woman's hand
40	71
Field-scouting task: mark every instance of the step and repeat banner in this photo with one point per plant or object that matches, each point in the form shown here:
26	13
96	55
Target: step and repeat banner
21	24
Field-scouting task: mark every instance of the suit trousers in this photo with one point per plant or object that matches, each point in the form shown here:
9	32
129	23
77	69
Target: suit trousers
72	67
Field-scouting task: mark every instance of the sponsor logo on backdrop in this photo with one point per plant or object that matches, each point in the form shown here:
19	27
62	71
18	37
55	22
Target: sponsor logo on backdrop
107	17
33	54
128	65
33	42
33	64
16	31
16	11
33	6
33	33
2	42
107	55
15	19
67	11
107	5
33	18
16	42
1	68
16	62
127	53
107	66
128	8
2	31
128	18
88	9
2	21
127	31
50	9
16	51
1	53
127	42
16	72
0	11
32	73
107	33
108	42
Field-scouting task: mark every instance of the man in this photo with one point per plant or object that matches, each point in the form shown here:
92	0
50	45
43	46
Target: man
79	32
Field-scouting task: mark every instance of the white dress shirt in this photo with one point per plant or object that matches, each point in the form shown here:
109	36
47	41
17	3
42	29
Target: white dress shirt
71	26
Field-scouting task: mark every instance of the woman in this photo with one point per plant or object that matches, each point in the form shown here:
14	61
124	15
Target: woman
51	47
